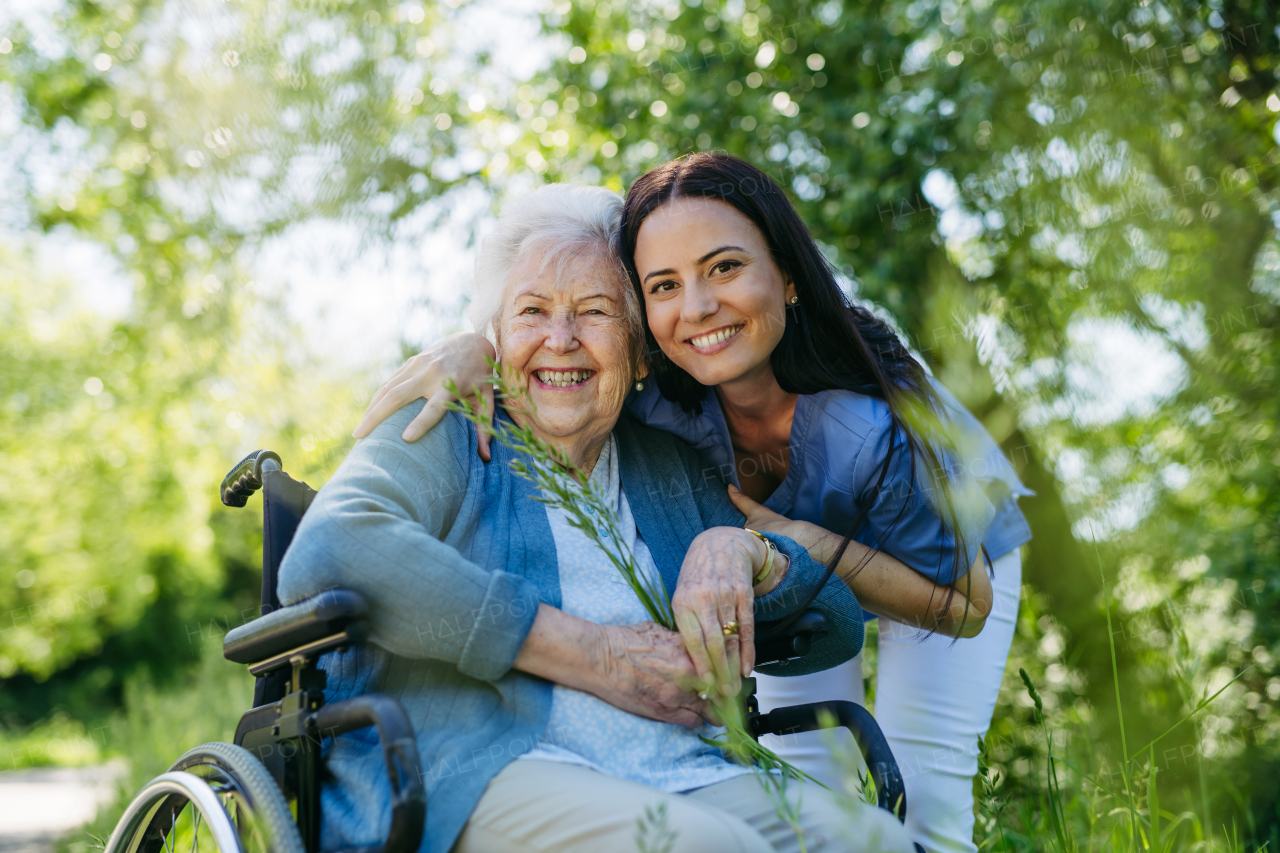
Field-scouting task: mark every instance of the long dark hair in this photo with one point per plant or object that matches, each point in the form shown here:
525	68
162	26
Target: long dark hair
828	343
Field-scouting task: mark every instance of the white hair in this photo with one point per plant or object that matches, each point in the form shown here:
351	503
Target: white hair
569	227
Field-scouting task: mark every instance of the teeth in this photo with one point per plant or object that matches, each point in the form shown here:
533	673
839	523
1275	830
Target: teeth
715	337
562	378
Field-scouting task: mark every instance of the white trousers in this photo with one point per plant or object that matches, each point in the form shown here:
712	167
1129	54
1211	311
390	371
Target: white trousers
934	697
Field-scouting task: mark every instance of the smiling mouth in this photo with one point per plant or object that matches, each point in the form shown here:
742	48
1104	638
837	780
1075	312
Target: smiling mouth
563	378
719	336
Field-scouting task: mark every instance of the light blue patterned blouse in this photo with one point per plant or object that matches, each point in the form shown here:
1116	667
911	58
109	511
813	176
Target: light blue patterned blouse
588	731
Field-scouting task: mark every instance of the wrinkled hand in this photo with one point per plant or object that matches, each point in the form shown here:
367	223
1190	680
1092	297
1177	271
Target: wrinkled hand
646	671
714	589
461	357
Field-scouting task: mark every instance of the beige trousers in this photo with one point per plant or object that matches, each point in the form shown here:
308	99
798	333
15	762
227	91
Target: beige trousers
541	806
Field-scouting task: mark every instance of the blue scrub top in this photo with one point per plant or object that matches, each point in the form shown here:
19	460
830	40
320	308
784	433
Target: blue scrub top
839	440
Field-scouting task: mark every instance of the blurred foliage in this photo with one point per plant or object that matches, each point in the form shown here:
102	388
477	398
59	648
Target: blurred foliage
1069	209
117	432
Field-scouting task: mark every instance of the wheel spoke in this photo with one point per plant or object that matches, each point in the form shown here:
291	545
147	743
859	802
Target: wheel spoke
195	830
170	840
225	788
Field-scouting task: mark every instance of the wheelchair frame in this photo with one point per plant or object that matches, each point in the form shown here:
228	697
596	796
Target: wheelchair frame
286	727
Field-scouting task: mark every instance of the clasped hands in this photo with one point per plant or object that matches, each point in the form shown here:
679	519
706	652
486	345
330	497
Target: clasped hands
678	676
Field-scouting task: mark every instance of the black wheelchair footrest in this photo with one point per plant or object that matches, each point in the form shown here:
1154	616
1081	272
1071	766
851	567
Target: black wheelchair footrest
891	795
399	750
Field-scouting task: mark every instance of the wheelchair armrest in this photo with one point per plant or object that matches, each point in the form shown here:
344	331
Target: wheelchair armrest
331	612
793	642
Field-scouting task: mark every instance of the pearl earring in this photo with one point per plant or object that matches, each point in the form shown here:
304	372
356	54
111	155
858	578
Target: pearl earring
795	299
639	385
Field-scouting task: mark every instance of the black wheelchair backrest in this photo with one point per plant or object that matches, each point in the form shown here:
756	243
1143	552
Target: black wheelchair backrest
284	501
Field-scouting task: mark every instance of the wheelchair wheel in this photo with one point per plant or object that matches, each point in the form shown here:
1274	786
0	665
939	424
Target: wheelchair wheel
217	798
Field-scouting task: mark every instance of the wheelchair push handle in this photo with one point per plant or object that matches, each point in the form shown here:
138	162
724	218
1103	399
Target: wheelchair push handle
246	477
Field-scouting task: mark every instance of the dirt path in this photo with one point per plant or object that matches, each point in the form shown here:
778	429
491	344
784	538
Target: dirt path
37	806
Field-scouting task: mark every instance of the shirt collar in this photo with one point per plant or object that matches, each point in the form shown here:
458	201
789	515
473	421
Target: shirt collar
783	497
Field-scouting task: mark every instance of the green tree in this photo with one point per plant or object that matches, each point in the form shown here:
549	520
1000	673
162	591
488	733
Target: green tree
181	139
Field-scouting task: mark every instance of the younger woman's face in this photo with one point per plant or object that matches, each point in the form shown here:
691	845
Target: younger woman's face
715	298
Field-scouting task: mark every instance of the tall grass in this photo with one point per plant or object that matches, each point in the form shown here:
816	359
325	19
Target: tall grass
1072	801
156	726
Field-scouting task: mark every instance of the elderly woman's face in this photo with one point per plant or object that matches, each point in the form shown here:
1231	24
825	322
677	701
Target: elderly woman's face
565	338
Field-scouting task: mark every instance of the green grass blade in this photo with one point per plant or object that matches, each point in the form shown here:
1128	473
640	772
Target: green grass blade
1204	703
1153	802
1058	811
1115	676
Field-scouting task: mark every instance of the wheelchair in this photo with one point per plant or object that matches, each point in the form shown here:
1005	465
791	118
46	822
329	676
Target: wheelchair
261	792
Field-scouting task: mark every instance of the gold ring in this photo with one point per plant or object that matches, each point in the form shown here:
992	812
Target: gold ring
730	628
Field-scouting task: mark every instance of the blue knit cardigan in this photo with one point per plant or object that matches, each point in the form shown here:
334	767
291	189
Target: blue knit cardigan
454	556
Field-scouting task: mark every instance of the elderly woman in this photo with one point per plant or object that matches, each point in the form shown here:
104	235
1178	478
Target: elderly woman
550	713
